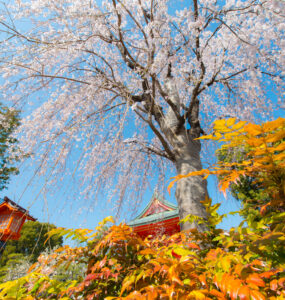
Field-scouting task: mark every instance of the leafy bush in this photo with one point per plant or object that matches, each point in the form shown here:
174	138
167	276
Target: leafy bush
20	254
246	262
16	266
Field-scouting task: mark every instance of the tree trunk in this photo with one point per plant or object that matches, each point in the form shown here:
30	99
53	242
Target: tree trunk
190	191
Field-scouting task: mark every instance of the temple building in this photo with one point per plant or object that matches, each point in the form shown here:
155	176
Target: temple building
12	219
158	218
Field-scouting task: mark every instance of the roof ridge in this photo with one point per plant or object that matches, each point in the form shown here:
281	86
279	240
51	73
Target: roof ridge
18	207
161	199
154	218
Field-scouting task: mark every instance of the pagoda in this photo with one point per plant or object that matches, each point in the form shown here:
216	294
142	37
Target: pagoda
12	219
158	218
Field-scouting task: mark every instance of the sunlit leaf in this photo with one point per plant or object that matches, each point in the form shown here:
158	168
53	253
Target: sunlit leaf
255	279
243	293
197	295
147	251
256	295
253	129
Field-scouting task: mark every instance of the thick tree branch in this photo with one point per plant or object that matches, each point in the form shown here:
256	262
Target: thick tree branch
170	154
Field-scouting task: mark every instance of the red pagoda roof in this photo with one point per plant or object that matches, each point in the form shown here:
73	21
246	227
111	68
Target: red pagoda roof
12	218
159	217
14	207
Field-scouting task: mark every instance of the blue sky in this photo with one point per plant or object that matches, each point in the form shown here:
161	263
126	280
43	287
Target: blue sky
65	207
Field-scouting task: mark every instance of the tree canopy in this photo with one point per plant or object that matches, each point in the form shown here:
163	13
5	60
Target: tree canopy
9	122
30	245
126	86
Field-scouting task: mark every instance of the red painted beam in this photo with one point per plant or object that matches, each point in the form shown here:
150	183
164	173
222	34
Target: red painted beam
168	227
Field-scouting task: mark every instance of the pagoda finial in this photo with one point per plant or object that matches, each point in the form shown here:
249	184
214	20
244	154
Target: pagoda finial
156	193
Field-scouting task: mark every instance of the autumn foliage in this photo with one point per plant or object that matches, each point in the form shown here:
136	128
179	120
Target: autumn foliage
246	262
264	159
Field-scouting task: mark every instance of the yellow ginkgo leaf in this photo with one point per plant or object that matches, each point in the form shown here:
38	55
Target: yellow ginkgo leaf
230	122
276	137
217	136
239	125
253	129
108	219
280	147
205	137
255	142
280	157
231	135
220	124
197	295
273	125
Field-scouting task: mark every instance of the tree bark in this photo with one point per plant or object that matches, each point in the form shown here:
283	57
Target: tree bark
190	191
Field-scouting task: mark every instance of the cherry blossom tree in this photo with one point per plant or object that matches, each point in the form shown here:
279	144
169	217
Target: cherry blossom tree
124	87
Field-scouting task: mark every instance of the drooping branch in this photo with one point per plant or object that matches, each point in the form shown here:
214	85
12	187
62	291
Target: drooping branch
149	149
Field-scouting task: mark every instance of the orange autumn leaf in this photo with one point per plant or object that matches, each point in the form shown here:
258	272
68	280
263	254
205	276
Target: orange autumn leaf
147	251
238	269
255	279
281	282
193	246
256	295
273	125
273	284
224	282
234	288
253	129
257	262
243	293
264	208
217	294
202	279
267	274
